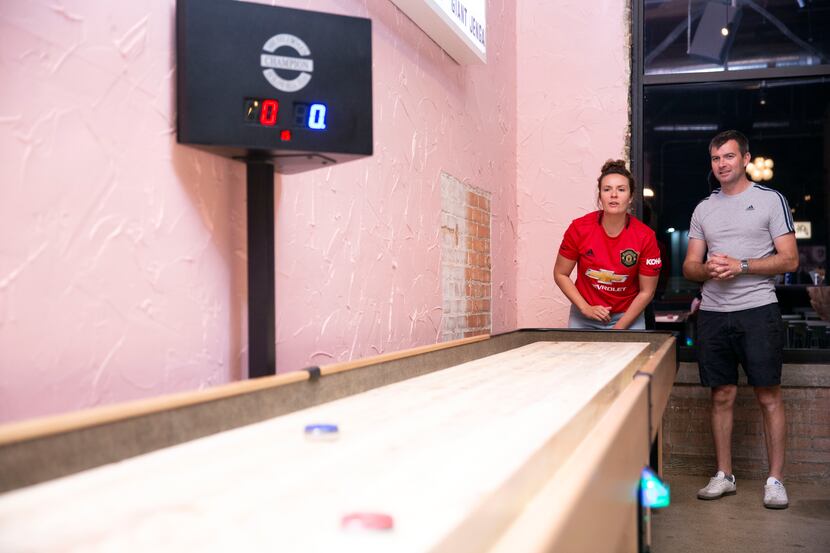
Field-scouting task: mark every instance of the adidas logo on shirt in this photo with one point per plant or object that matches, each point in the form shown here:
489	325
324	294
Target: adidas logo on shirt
750	208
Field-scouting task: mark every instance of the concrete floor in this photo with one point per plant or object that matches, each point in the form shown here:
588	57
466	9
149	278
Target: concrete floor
740	522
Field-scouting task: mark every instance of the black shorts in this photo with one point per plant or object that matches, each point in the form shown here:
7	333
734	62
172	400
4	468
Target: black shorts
752	337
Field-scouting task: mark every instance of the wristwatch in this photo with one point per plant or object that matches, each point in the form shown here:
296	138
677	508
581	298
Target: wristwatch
744	265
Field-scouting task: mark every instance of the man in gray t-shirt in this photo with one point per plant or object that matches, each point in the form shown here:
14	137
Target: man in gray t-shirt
740	237
744	225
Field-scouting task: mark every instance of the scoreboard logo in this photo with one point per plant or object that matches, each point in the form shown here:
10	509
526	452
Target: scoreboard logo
271	62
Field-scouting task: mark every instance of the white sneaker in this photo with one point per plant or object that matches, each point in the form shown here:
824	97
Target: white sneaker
718	486
775	496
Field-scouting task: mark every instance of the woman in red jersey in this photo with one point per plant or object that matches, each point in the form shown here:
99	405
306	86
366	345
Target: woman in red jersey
616	256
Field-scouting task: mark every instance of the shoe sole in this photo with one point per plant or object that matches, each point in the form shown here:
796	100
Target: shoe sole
705	498
776	506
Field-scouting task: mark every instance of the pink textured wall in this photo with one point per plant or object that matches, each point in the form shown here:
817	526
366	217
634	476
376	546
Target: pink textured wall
573	87
122	254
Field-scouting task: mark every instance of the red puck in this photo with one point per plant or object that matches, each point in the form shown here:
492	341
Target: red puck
367	521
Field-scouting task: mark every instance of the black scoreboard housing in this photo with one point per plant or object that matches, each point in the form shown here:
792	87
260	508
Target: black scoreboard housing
219	48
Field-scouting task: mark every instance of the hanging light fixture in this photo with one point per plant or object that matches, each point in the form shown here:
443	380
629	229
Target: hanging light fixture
715	31
727	25
760	169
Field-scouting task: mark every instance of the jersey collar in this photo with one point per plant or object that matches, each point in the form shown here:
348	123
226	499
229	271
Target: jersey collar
600	213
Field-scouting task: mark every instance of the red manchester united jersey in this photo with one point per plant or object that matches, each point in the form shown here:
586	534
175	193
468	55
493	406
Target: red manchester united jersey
608	268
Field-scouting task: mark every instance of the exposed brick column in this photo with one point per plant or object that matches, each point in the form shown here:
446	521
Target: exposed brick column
465	260
477	271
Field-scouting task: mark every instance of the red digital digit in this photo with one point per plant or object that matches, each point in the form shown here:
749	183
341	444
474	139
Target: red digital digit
268	115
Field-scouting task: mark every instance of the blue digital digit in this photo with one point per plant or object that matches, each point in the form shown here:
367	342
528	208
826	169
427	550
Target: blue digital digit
317	116
300	114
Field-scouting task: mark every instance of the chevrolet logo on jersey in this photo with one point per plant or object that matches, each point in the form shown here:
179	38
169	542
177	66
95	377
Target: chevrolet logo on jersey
605	276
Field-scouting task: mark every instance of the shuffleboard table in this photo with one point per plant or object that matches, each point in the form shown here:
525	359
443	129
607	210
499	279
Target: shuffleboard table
528	441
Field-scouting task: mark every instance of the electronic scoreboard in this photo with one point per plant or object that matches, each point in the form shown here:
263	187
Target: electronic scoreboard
263	82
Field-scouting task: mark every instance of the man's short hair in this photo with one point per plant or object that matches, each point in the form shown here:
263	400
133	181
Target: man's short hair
725	136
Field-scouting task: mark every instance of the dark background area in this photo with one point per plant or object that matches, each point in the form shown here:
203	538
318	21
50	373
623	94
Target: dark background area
768	76
791	126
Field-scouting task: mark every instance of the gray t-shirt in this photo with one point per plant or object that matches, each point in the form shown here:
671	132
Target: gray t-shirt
742	226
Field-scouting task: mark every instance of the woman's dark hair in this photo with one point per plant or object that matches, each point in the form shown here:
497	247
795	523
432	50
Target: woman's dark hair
616	167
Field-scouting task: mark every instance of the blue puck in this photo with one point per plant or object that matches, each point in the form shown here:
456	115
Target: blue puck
321	431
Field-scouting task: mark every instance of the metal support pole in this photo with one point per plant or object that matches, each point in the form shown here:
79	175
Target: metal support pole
261	273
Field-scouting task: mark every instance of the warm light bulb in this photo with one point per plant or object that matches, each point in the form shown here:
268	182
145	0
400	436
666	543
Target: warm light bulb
767	174
724	31
648	193
768	163
759	162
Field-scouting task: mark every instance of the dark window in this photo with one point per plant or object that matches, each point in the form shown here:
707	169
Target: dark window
786	120
687	36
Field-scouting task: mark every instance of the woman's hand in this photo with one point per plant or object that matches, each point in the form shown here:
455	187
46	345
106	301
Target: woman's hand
597	313
562	276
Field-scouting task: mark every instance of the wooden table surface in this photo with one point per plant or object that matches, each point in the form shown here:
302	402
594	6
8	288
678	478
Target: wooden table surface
427	451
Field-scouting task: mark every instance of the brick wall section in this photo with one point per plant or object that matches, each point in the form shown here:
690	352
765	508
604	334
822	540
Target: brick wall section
465	259
687	437
477	271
